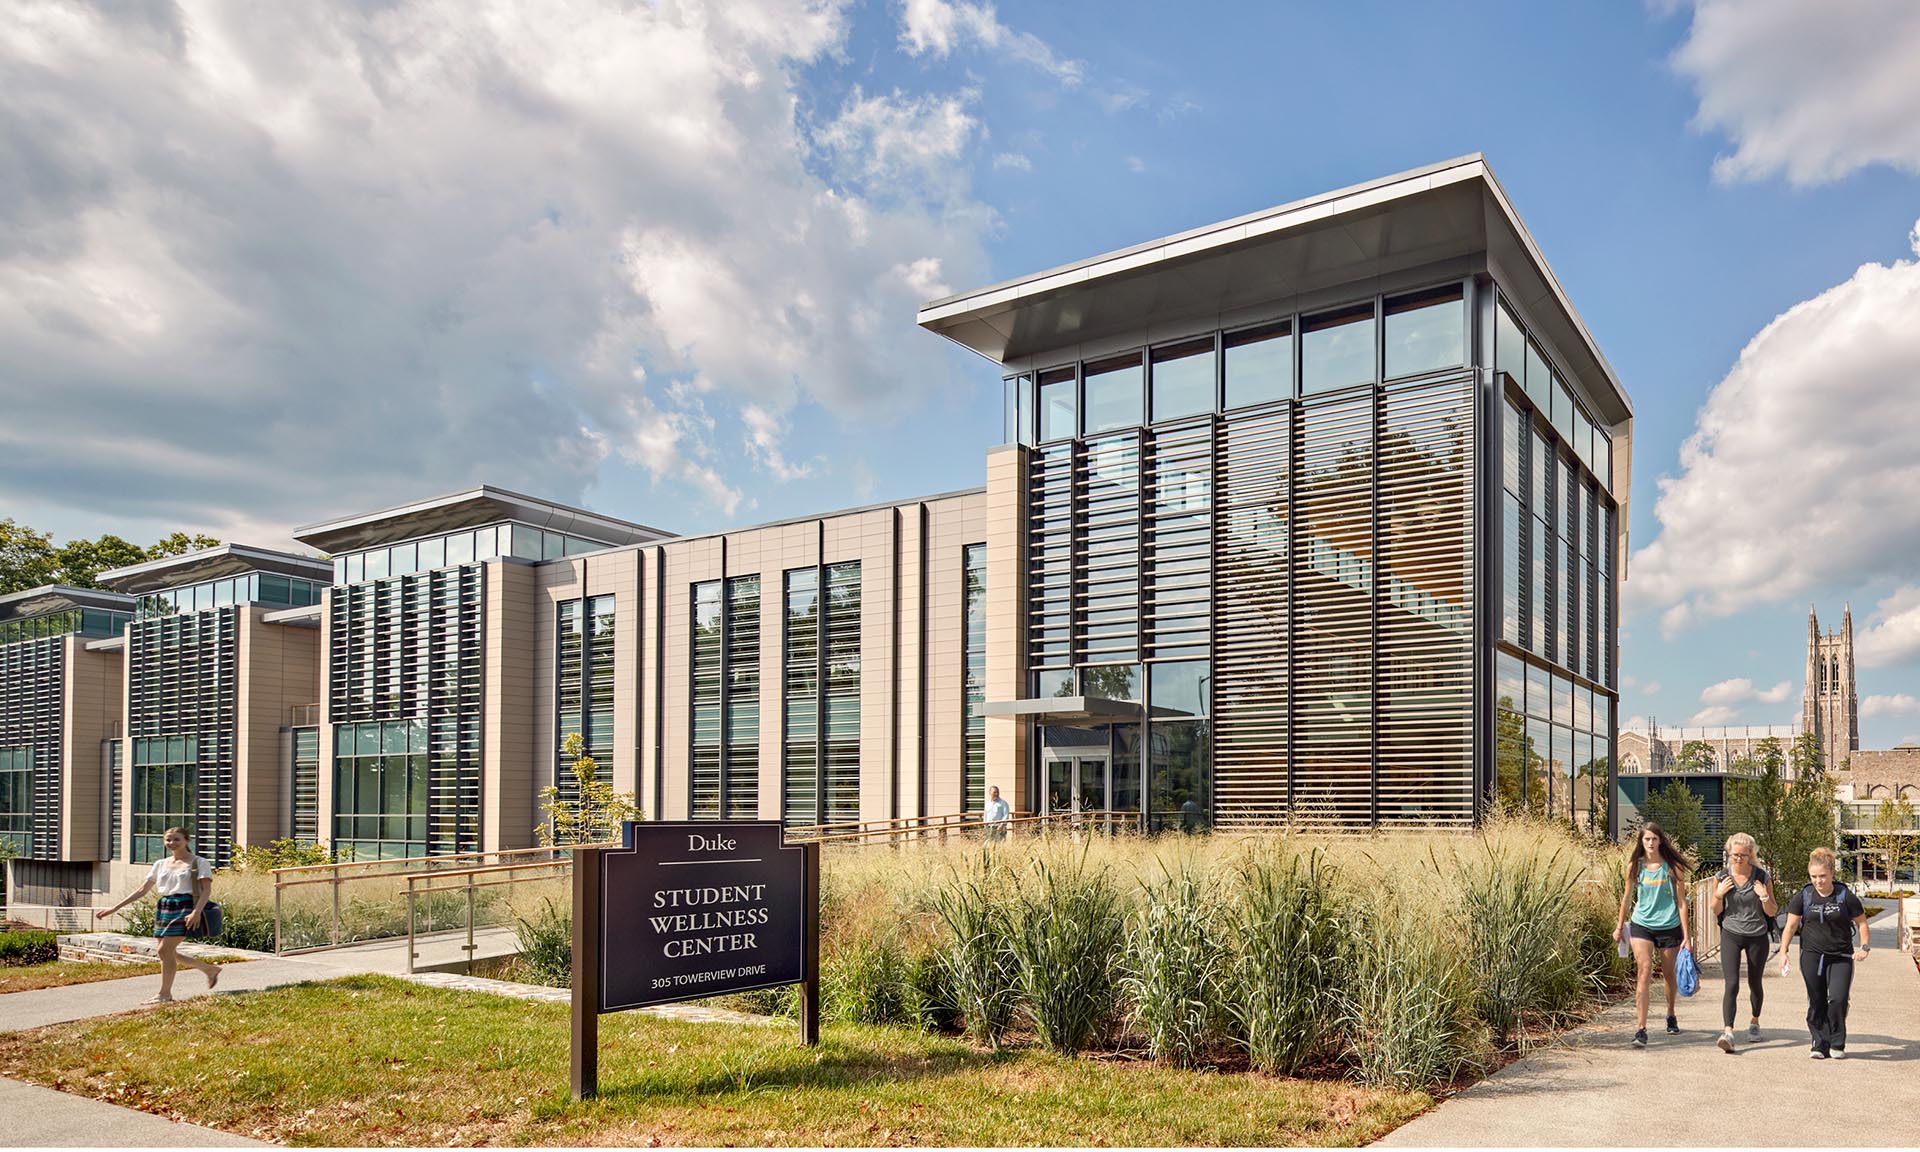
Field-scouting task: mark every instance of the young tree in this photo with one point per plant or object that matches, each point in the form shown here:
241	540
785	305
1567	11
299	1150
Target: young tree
595	817
1890	840
1677	810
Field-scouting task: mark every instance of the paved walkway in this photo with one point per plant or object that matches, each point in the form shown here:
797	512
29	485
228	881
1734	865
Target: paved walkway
1593	1088
42	1118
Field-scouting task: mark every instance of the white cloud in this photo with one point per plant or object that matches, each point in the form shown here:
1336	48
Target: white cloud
1800	471
1136	165
264	264
939	28
1629	681
1899	704
1013	160
1713	716
1651	688
1892	632
1635	723
1810	91
1742	691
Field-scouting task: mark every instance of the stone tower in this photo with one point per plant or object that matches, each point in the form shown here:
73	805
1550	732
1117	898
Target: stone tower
1832	710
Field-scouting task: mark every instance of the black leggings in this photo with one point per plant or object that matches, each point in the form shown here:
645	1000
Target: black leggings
1734	946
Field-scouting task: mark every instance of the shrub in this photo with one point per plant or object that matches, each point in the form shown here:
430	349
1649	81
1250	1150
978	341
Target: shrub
1403	1002
1175	961
244	924
977	957
1288	944
930	1000
546	945
865	981
1521	924
1068	936
283	853
19	948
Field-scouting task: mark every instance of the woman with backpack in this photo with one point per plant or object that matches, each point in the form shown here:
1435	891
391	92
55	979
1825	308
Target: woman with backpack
1743	906
1824	914
1656	896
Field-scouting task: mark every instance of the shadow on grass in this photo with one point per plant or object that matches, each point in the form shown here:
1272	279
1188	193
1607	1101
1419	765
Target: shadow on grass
832	1067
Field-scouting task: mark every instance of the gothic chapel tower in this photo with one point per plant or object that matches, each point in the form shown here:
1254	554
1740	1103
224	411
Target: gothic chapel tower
1832	711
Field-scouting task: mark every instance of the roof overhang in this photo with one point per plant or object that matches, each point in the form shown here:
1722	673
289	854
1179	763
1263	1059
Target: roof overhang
305	616
110	644
219	563
473	508
1368	232
60	598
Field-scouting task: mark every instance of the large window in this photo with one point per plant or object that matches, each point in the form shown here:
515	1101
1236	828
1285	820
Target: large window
800	692
306	785
380	789
116	793
166	778
1183	379
464	547
253	588
1059	406
16	798
1113	394
974	657
1180	773
1336	349
1259	365
822	696
1426	331
707	648
585	687
741	788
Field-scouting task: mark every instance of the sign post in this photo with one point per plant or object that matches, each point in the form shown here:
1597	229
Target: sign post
683	910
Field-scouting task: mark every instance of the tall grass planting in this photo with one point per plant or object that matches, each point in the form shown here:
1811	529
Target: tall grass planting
1176	964
1522	934
977	956
1403	1000
1289	941
1070	925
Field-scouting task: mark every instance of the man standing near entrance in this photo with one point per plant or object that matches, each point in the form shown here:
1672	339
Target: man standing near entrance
997	814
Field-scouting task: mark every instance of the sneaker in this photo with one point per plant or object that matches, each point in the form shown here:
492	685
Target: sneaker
1726	1041
1839	1053
1753	1031
1673	1025
1817	1053
1640	1038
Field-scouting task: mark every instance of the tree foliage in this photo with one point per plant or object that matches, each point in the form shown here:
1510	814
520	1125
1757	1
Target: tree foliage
1681	813
29	559
1890	839
596	815
1788	807
1695	756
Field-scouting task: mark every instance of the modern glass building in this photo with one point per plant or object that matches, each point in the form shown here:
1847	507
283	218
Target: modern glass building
1318	516
1315	515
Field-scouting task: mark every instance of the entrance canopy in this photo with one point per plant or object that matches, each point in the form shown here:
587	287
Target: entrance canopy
1078	711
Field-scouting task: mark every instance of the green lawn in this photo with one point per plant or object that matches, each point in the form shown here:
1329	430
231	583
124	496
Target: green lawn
370	1060
55	973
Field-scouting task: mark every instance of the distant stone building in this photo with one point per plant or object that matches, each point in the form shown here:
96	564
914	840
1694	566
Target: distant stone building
1831	707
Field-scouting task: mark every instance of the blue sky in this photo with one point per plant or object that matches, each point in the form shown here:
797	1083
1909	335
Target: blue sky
664	260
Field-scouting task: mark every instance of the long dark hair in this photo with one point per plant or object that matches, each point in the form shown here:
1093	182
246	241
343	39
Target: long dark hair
1669	855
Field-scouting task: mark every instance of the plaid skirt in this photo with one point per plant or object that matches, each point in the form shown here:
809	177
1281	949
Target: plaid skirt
170	919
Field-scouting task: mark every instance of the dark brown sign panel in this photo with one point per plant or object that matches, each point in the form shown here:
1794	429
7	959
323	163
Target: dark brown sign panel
700	908
686	909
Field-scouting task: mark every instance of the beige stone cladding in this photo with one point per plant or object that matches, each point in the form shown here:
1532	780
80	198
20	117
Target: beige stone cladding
509	707
1884	775
617	574
1006	513
279	670
93	711
953	525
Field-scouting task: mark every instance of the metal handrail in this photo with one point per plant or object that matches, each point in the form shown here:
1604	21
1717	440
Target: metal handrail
1110	821
842	827
471	886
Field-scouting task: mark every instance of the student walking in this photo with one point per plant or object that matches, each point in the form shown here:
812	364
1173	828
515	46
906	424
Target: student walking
185	884
1824	914
1744	907
1656	895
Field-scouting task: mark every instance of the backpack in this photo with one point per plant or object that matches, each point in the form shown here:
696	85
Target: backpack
1809	894
1759	877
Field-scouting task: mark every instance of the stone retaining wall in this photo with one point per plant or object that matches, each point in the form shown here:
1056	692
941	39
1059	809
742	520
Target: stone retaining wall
120	948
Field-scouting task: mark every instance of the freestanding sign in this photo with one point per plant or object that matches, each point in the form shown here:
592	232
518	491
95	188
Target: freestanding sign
687	909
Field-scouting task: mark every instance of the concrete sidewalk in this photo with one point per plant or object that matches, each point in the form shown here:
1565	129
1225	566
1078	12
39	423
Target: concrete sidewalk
42	1118
1593	1088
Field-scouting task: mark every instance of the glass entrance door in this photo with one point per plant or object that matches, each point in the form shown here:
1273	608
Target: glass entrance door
1077	784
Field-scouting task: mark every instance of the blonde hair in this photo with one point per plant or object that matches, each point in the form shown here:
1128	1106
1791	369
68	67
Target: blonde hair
1822	856
1741	840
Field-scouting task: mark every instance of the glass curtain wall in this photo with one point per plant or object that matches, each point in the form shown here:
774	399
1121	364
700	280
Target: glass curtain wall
800	693
380	789
821	661
707	644
974	660
115	756
32	691
166	779
182	685
741	787
16	799
584	630
841	705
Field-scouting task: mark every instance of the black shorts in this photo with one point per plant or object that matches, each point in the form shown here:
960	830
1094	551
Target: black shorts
1663	938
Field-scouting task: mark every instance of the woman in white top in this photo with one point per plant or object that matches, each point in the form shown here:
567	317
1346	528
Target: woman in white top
185	884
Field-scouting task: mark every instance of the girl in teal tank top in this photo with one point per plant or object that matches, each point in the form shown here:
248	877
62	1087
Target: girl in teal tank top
1656	896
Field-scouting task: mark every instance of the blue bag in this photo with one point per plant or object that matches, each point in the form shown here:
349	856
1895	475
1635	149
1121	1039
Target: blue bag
1686	973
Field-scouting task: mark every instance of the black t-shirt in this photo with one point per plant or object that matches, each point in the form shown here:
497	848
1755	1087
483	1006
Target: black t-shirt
1826	922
